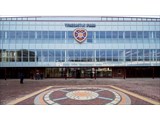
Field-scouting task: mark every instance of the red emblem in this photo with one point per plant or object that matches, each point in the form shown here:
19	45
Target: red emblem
80	34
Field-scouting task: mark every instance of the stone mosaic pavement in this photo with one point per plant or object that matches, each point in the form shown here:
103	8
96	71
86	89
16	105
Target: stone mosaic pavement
83	95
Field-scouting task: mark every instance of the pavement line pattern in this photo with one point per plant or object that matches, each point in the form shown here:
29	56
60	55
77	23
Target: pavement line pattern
28	96
137	96
82	94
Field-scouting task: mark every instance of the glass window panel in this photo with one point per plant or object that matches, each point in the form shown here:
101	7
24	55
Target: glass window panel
31	35
77	55
102	34
63	56
127	34
134	55
102	55
146	55
97	55
45	34
70	55
157	34
109	55
32	55
39	35
25	56
140	34
158	54
133	34
90	37
58	55
120	34
25	34
63	35
51	34
115	34
108	34
140	55
39	55
11	35
44	55
2	34
146	34
51	56
121	55
70	34
18	34
58	34
19	56
115	55
97	34
83	55
128	54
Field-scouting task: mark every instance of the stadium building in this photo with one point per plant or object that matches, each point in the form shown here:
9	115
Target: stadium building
80	46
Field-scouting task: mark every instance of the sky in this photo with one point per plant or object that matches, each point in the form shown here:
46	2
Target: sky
79	7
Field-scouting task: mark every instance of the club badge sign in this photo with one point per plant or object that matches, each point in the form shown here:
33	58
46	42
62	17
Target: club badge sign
80	34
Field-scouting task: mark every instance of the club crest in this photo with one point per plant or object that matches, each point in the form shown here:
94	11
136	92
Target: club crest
80	34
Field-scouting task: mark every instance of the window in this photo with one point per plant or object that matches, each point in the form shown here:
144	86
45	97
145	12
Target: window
120	34
63	35
57	55
39	35
25	34
25	55
134	55
45	34
133	34
57	34
2	35
32	55
140	34
31	35
109	55
44	55
146	55
39	59
90	55
140	55
97	34
97	55
70	34
115	55
146	34
157	34
51	56
102	55
51	34
11	35
127	34
90	37
108	34
18	34
83	55
70	55
77	55
128	54
102	34
115	34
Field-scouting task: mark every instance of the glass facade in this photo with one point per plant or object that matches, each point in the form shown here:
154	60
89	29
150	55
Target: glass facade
49	42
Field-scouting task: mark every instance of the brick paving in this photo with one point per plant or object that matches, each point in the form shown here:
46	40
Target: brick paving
11	89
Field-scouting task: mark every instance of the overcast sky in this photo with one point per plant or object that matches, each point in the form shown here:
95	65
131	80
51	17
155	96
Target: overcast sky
79	7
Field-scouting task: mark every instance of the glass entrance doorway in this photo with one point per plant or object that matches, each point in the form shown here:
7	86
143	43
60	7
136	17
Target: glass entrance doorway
80	72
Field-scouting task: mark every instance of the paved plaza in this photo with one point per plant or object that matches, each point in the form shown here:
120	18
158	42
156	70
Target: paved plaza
80	92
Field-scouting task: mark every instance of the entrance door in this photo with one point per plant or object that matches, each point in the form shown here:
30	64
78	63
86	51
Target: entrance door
80	72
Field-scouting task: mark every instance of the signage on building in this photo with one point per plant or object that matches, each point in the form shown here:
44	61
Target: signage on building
80	34
80	25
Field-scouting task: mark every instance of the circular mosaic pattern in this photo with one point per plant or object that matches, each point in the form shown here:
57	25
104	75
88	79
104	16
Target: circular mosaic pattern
82	95
80	34
79	96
